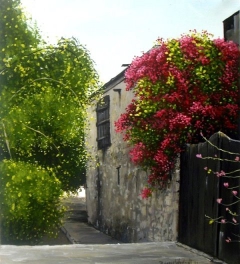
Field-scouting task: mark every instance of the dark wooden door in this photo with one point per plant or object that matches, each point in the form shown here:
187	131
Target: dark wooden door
199	191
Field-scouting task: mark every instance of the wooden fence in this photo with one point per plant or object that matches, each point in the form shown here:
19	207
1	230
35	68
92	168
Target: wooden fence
199	191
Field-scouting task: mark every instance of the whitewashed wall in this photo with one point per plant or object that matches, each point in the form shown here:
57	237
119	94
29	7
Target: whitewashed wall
118	209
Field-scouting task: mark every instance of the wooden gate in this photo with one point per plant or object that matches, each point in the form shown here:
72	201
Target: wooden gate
199	191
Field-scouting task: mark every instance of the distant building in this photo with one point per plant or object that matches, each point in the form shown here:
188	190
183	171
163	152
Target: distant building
231	32
231	28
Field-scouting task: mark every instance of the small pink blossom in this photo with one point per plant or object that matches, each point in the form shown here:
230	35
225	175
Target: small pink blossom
205	168
227	209
146	193
220	174
199	156
234	193
223	221
219	200
226	184
237	158
228	240
234	220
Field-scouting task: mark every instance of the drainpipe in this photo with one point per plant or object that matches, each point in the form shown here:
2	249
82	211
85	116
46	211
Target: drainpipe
99	215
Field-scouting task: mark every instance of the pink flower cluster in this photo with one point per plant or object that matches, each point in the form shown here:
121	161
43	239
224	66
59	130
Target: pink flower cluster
182	87
220	174
146	193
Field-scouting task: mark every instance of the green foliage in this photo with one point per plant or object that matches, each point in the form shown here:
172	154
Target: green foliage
15	31
44	92
30	205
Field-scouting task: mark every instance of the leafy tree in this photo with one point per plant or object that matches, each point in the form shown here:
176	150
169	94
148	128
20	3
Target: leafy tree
44	92
30	202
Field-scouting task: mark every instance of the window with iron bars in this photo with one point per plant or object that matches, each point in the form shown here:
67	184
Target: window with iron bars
103	123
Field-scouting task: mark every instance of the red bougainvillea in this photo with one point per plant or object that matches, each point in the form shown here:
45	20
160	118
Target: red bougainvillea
181	87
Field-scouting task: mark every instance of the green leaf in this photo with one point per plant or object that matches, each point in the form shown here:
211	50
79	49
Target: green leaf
211	222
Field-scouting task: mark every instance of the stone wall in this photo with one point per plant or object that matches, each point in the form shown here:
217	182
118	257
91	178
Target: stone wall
114	185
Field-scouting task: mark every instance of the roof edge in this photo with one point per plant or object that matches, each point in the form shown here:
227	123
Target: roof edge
114	81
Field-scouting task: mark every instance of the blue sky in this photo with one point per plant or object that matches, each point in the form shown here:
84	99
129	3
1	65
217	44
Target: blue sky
114	31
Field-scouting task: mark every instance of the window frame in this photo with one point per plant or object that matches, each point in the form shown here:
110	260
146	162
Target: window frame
103	123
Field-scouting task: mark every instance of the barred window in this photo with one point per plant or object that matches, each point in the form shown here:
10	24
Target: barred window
103	123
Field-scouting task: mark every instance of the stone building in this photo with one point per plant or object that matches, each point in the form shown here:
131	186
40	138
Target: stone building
114	184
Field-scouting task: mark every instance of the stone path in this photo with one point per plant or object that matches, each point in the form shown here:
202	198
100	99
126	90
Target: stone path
93	247
76	225
144	253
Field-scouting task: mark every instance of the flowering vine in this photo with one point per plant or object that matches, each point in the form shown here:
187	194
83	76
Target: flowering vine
230	182
181	87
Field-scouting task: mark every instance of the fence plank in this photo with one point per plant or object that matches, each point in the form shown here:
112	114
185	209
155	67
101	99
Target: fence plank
183	229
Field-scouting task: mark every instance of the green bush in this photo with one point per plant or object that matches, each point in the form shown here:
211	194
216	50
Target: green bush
30	202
